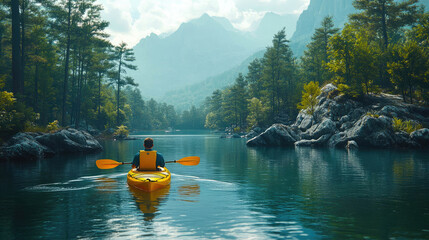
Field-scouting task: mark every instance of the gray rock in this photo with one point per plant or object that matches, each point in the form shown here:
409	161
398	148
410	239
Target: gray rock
253	133
403	140
327	89
338	140
23	146
35	146
327	126
372	132
352	145
306	123
421	136
276	135
69	140
321	141
393	111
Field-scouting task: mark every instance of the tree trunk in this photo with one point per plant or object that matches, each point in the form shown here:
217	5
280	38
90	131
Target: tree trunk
66	67
22	18
119	89
384	25
17	87
36	88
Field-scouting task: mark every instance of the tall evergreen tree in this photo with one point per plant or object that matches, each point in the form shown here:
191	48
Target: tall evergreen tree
316	56
123	58
277	75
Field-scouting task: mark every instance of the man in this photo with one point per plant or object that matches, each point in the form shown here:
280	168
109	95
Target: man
148	159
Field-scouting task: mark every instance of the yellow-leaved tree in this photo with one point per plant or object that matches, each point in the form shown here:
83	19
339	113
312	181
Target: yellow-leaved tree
309	97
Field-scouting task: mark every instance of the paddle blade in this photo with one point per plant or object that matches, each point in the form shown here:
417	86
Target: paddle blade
189	161
107	163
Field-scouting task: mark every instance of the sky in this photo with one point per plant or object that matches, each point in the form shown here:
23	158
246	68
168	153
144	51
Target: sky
132	20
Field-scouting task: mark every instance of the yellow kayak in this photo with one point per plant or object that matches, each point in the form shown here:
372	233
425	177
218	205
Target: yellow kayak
149	181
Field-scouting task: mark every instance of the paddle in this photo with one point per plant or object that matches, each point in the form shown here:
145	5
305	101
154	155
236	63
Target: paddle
109	163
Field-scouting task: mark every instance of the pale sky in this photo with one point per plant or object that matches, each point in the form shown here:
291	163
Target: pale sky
132	20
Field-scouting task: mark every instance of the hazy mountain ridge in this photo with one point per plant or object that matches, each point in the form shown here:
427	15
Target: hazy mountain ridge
196	93
199	49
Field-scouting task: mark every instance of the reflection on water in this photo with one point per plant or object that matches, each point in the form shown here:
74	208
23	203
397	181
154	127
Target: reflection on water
189	193
148	202
235	192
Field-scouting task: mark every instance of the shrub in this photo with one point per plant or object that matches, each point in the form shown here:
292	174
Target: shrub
121	132
53	126
309	97
372	114
406	126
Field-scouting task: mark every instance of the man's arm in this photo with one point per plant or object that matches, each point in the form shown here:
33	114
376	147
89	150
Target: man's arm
160	160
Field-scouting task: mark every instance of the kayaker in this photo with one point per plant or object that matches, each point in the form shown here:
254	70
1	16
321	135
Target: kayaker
150	159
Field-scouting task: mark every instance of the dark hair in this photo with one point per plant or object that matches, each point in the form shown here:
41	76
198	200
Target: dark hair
148	143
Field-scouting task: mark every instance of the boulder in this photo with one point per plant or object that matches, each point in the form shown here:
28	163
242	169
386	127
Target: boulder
321	141
372	132
403	140
327	126
421	136
276	135
33	146
69	140
306	122
24	146
338	140
352	145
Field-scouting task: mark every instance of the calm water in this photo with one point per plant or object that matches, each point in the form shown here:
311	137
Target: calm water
235	192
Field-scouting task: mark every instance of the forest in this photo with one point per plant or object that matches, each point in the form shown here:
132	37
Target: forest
383	48
57	65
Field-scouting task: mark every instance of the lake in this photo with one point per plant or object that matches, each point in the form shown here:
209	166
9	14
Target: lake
235	192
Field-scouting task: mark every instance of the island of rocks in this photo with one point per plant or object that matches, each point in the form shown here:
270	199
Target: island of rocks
32	146
339	121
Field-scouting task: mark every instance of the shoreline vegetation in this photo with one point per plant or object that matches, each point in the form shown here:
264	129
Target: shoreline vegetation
60	70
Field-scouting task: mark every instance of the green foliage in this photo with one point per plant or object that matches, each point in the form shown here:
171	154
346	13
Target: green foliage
372	114
408	68
121	132
316	56
309	97
53	126
257	113
406	126
353	60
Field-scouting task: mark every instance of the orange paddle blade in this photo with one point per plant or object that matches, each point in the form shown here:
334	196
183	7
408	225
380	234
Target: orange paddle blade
107	163
189	161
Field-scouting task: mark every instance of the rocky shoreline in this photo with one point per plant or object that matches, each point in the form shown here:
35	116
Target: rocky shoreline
341	122
33	146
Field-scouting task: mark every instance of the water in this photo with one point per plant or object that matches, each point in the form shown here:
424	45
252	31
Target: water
235	192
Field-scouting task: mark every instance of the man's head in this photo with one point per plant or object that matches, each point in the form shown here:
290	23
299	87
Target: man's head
148	143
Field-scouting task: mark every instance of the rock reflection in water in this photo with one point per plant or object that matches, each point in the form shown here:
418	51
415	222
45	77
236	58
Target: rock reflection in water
189	192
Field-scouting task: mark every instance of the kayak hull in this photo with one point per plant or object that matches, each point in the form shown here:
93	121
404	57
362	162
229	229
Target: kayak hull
148	181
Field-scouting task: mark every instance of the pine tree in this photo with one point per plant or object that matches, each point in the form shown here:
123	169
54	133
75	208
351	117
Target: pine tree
316	56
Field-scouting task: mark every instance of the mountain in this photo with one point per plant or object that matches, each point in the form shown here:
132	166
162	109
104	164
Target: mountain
201	81
199	49
272	23
311	18
195	94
